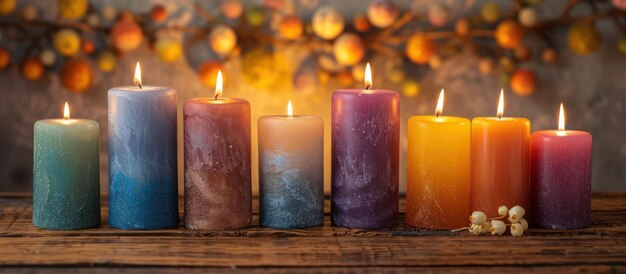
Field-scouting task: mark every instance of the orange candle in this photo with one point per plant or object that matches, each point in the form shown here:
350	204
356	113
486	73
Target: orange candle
438	170
500	160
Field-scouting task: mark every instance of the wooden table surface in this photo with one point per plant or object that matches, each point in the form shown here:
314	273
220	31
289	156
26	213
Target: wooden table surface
26	249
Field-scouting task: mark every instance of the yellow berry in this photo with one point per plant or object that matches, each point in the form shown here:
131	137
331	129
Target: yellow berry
106	61
7	6
168	50
73	9
67	42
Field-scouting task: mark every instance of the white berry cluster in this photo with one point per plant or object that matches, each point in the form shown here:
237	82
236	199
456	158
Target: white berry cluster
479	223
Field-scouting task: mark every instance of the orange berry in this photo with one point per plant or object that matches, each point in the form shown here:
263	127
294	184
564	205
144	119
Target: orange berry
523	82
32	68
5	58
509	34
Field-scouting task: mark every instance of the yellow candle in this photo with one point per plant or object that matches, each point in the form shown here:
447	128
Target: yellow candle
438	170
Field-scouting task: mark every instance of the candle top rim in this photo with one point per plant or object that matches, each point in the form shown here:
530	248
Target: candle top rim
501	119
439	119
218	101
563	133
144	88
365	92
281	116
67	122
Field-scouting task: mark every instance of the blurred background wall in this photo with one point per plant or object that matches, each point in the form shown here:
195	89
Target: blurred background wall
592	87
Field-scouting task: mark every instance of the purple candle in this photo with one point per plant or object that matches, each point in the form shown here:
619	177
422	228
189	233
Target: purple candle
365	148
560	177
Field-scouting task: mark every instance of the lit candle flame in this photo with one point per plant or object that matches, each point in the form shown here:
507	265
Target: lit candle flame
137	79
289	109
66	112
561	118
218	84
368	77
501	104
439	109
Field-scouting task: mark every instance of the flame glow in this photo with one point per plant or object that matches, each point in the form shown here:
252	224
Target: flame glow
218	84
561	118
66	112
368	76
501	104
439	109
137	79
289	109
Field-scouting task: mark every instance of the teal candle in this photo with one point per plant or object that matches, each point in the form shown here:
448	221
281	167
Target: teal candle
66	184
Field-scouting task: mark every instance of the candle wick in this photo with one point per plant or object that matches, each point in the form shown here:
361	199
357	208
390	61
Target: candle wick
436	114
216	95
138	83
367	87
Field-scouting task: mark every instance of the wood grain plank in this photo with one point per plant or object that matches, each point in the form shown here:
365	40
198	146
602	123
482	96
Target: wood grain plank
600	248
309	251
311	270
609	214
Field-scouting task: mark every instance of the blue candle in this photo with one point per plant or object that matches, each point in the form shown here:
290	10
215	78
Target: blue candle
66	183
143	191
291	171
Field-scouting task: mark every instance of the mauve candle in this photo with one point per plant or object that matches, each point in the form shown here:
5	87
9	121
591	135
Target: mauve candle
143	177
560	177
218	189
365	157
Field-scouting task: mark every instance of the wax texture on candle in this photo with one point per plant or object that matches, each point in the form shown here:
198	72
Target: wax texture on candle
66	182
560	179
365	158
143	192
438	172
500	164
218	188
291	171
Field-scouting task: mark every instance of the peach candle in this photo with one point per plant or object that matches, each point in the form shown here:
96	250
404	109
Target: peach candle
291	170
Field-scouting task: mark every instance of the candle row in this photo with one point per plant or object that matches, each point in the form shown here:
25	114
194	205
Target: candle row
453	165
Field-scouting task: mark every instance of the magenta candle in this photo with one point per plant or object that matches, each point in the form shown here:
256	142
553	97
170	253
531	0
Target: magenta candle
560	178
218	187
365	157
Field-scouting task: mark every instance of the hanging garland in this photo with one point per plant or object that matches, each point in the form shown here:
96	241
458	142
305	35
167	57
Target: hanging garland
337	48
